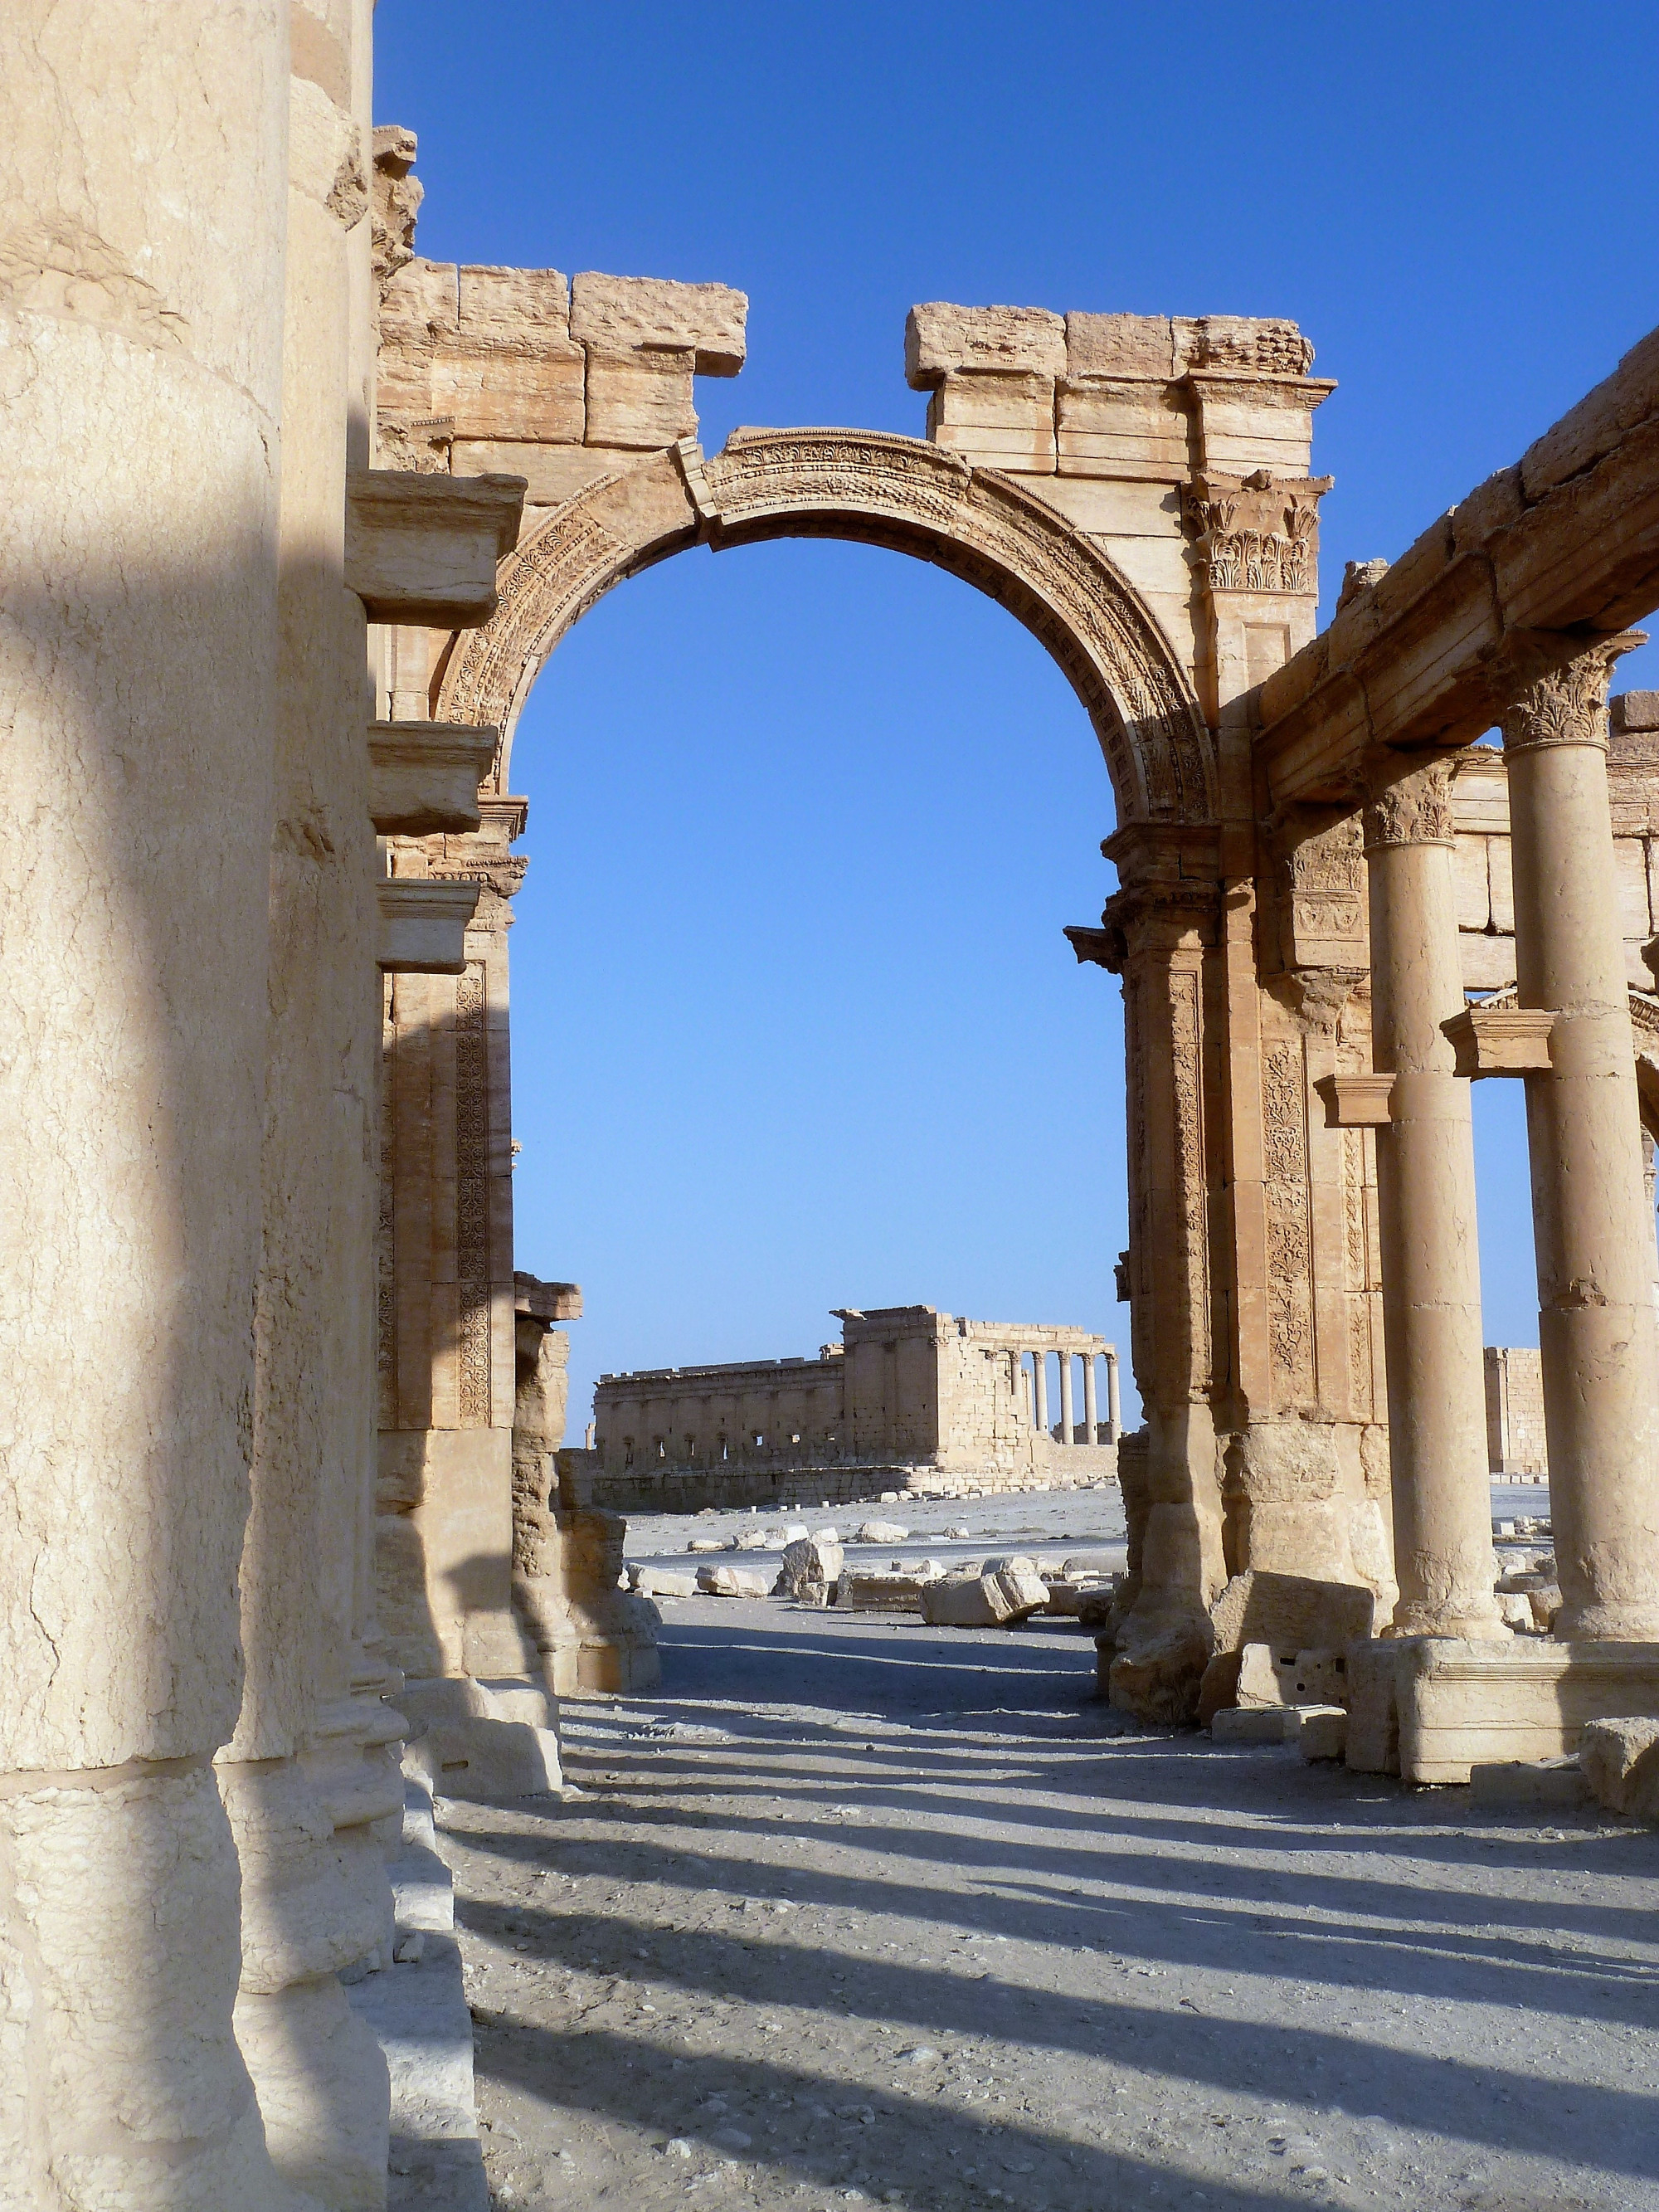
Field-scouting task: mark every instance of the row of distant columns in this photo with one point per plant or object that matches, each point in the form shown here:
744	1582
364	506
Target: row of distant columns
1569	1037
1067	1393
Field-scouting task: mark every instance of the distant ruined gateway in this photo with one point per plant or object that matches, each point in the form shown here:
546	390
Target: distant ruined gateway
911	1399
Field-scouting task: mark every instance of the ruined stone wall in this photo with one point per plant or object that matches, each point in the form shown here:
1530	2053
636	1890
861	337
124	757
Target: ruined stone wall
1514	1410
911	1399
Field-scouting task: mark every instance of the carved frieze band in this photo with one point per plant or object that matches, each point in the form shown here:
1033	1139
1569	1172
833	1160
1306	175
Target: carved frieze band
472	1200
884	490
385	1249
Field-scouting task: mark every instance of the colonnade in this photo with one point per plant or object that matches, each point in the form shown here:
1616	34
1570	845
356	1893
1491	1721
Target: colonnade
1036	1399
1568	1037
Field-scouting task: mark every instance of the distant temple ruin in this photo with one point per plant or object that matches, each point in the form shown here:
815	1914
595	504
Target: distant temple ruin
910	1399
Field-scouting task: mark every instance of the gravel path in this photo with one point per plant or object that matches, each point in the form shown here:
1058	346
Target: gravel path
856	1911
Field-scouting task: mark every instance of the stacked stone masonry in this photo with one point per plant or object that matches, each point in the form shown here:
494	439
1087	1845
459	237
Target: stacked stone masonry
910	1399
293	519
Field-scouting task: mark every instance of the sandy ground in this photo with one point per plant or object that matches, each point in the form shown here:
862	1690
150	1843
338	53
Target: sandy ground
858	1910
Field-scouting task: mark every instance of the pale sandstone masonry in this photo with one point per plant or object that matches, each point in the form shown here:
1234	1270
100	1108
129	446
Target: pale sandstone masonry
911	1399
588	1634
1137	491
1515	1411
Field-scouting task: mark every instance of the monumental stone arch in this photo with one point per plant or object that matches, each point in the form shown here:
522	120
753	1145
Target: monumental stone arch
874	489
1135	491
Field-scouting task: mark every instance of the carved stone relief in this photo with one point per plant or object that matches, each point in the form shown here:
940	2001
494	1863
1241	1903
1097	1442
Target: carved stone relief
472	1201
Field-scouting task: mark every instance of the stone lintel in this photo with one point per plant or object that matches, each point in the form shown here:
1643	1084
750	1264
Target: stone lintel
1357	1100
1501	1040
424	550
423	777
422	925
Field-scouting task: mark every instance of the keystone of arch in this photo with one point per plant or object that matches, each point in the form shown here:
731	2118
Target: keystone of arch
877	490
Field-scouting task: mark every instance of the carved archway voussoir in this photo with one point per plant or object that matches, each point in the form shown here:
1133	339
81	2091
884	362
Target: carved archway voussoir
875	488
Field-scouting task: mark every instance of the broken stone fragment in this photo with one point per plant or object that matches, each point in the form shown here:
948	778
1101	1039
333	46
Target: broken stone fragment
808	1560
1252	1723
1321	1731
732	1582
1620	1762
662	1581
1542	1784
880	1532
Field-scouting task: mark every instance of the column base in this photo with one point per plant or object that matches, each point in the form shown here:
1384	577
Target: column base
1461	1703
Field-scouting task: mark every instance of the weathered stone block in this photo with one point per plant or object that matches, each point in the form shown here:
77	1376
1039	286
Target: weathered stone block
1251	1725
1373	1745
1619	1759
1267	1677
941	339
620	314
1120	346
733	1582
639	399
422	925
1291	1613
424	550
662	1581
1321	1731
513	303
1529	1784
1463	1704
512	389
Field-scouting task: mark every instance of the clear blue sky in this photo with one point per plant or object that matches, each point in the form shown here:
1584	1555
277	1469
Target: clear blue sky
794	1026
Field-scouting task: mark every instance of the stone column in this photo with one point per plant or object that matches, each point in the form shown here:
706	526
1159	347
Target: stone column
1040	1384
1590	1216
143	209
1067	1410
307	1773
1114	1409
1425	1194
1089	1408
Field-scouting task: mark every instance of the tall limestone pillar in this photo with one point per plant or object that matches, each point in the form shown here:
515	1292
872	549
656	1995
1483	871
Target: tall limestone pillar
142	208
1426	1205
1590	1219
302	1797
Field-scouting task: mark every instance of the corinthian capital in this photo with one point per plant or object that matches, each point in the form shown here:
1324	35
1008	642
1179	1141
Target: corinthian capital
1552	696
1412	809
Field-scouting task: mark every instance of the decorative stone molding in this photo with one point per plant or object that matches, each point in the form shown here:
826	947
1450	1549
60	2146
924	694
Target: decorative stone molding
1412	809
1325	891
422	925
1501	1040
1256	533
424	550
876	490
423	777
1563	702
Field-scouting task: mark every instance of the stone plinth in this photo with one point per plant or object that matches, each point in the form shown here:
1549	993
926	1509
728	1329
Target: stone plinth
1464	1703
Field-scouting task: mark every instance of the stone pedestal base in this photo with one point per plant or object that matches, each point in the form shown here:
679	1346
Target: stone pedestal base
1463	1704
